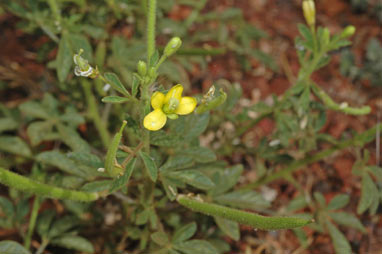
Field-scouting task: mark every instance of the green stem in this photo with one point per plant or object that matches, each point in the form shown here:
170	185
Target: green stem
22	183
252	219
200	51
359	140
42	247
32	222
146	109
151	16
252	123
94	114
343	107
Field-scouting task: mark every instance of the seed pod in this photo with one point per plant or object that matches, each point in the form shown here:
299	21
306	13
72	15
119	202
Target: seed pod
252	219
110	167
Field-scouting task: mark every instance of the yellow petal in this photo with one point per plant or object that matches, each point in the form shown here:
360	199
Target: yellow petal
157	100
175	92
186	106
155	120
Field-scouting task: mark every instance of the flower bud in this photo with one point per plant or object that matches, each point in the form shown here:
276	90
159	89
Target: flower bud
309	11
172	46
348	31
152	72
142	68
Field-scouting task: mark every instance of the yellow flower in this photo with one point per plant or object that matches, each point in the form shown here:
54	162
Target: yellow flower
169	105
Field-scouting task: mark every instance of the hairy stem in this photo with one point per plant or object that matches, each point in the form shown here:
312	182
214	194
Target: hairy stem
358	140
252	219
23	183
151	16
32	222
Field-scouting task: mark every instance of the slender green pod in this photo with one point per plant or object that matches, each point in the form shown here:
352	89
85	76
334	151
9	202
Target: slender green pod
252	219
112	152
342	107
23	183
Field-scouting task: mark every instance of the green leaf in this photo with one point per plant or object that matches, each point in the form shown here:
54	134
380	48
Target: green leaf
116	83
246	199
176	162
341	244
301	236
297	204
64	58
22	209
150	165
115	99
195	246
307	34
72	117
319	198
196	125
85	158
348	220
200	154
160	238
40	131
184	233
170	188
225	179
194	178
11	247
7	124
229	227
161	138
59	160
44	221
369	193
338	201
78	42
34	109
6	207
121	181
142	217
304	99
62	225
97	186
72	139
154	59
135	85
74	242
376	171
14	145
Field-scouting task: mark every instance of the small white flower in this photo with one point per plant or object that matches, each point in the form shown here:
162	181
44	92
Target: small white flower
87	73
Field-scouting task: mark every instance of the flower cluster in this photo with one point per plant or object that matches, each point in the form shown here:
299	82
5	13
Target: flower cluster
168	105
